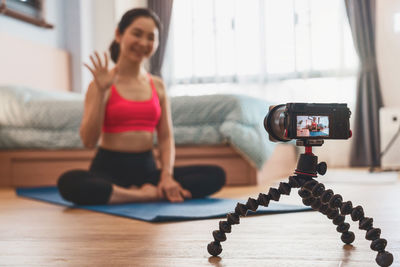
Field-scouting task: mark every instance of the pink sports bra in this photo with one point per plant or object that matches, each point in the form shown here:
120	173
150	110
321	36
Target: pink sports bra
123	115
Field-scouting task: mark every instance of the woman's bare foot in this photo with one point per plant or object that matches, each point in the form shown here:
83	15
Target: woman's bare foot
133	187
150	192
132	194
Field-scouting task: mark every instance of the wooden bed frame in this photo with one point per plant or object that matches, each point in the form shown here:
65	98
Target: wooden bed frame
43	167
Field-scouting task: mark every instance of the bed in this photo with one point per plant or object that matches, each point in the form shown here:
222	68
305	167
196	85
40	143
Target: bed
39	135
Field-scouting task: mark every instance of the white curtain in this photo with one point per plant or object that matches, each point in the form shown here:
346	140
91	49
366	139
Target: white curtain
258	41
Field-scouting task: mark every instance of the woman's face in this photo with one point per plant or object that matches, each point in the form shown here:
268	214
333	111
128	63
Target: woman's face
139	40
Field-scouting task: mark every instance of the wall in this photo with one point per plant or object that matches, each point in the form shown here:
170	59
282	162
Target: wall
388	51
80	27
61	37
24	47
29	64
89	28
52	37
99	19
72	43
97	30
121	6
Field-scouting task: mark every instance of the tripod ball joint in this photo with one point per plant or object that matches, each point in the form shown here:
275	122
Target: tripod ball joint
318	189
252	204
316	204
326	196
294	182
384	259
322	167
379	244
225	227
304	193
310	185
366	224
241	209
308	201
335	201
347	237
284	188
338	220
214	248
219	236
357	213
347	208
263	199
274	194
332	213
373	234
343	227
233	218
324	209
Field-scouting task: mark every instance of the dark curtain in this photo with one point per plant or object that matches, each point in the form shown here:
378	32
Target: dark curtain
366	144
163	8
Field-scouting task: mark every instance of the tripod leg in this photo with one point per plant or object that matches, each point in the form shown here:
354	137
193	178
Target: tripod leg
215	248
335	202
314	194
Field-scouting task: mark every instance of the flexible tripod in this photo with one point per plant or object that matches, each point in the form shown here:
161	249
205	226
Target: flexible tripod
315	195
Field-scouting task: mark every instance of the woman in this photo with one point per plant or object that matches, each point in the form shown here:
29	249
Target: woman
123	108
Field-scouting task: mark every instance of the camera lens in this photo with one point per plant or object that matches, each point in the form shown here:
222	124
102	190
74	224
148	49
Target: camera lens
274	123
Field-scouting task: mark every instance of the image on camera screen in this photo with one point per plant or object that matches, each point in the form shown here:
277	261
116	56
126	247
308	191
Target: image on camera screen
312	126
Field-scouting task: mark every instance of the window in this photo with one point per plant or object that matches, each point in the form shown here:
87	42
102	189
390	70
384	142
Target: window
257	41
30	11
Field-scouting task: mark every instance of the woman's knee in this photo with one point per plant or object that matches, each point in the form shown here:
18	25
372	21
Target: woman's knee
219	176
201	180
68	183
216	176
84	188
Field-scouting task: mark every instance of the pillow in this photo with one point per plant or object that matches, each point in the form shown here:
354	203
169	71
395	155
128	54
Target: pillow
30	108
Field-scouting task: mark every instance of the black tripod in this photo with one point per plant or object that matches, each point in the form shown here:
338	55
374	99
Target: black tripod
315	195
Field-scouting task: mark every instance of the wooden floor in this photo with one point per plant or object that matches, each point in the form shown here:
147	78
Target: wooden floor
39	234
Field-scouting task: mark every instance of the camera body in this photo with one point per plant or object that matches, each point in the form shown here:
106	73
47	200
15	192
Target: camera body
308	121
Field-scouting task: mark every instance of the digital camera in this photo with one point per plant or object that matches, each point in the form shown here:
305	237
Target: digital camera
308	121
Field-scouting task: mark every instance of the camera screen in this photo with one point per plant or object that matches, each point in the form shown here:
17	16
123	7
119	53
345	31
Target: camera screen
312	126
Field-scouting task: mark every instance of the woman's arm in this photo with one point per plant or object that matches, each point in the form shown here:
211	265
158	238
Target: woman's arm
165	135
167	187
95	100
93	115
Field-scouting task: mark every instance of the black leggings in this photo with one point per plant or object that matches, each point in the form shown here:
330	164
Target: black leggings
126	169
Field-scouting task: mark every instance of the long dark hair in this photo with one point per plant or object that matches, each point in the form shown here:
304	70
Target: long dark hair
126	20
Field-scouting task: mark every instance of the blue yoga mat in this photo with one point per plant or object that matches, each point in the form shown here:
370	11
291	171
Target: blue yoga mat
192	209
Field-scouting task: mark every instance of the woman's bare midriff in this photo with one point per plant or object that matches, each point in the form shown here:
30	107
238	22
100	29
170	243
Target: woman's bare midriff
135	141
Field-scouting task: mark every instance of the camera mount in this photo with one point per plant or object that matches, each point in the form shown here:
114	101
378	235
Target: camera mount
315	195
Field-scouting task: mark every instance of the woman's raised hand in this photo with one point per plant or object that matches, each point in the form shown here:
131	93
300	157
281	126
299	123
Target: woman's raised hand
103	77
